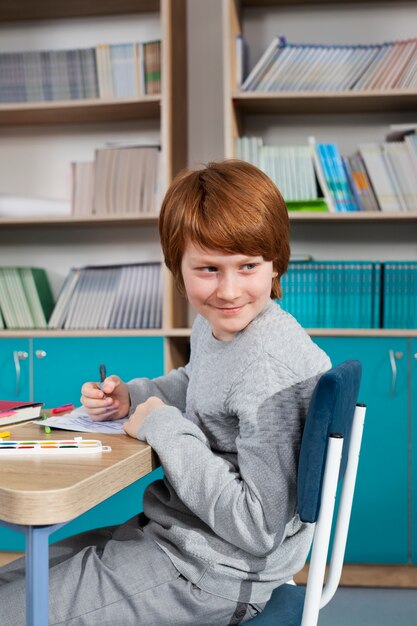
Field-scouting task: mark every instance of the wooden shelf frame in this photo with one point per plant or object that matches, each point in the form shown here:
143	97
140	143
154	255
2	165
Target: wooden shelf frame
23	10
238	105
335	102
94	111
168	109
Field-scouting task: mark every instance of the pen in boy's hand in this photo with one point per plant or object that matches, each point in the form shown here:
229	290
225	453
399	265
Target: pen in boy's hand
103	374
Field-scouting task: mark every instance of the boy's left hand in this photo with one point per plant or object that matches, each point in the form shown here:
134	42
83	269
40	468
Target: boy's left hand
135	421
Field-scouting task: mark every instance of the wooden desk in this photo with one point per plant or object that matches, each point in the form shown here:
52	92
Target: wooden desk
38	493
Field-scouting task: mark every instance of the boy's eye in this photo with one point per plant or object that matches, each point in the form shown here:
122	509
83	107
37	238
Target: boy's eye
249	266
208	268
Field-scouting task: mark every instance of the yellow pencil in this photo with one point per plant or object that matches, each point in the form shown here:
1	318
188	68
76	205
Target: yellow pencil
4	433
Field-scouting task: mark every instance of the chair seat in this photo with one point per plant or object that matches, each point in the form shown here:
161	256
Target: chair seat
285	607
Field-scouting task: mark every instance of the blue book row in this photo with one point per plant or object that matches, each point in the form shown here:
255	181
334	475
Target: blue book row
399	290
352	294
333	294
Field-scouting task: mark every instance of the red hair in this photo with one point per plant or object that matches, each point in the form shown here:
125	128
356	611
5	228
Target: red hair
231	206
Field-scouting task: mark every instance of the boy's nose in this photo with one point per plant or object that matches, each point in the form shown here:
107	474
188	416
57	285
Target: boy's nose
228	288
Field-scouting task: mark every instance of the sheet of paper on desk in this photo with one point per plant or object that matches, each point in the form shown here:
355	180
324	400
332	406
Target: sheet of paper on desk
79	421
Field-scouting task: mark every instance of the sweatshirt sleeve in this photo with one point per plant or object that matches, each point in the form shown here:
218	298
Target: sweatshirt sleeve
172	388
246	498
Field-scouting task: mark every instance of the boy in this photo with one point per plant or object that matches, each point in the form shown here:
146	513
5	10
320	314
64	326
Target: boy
221	531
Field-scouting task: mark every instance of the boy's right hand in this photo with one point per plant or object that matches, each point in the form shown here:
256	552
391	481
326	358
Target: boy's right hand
109	403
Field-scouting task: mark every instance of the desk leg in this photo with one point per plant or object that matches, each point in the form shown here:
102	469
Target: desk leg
37	570
37	575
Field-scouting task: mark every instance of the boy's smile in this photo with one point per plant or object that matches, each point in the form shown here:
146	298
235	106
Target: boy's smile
229	290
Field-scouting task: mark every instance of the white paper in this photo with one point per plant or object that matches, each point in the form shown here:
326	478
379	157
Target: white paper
78	420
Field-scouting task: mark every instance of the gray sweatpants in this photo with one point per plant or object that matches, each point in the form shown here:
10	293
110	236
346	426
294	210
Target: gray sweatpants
117	576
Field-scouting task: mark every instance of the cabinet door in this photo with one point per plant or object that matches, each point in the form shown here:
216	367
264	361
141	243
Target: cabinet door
14	385
58	375
414	449
379	523
15	370
62	365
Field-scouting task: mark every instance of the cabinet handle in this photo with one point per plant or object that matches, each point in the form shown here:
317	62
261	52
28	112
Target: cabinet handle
392	358
40	354
18	355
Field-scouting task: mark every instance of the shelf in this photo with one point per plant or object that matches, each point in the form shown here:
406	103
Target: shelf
278	3
79	220
362	332
307	102
186	332
80	111
132	332
51	9
354	216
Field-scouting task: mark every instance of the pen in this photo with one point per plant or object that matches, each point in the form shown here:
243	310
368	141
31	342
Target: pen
4	433
103	374
62	409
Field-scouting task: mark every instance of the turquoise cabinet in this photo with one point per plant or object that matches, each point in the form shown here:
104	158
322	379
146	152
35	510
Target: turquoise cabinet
61	365
380	515
58	368
15	369
413	521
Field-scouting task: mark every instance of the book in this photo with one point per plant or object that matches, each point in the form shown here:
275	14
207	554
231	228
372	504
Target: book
264	63
13	412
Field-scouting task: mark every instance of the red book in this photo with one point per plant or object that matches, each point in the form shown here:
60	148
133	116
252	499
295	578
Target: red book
12	412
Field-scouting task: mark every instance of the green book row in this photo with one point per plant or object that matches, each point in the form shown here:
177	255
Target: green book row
25	298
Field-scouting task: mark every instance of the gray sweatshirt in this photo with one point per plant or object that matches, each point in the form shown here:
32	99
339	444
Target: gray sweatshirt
228	442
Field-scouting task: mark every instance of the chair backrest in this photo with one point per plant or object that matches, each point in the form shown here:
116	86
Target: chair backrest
329	450
331	411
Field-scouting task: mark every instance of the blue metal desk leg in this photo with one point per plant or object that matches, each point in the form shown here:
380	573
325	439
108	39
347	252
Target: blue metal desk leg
37	575
37	570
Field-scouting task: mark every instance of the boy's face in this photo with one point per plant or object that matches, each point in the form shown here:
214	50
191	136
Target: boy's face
229	290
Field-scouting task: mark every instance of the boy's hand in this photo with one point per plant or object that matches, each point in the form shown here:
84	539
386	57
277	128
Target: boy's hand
111	402
135	421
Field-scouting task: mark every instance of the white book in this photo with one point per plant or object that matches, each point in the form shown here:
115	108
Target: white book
59	313
6	303
364	80
371	154
15	287
283	72
320	175
262	65
312	70
405	172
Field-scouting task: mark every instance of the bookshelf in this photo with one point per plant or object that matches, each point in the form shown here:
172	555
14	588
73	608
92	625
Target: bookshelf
346	118
158	118
388	356
258	113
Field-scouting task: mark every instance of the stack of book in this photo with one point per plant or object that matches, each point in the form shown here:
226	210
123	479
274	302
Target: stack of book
112	297
289	67
392	168
129	69
121	180
379	177
25	298
126	70
290	167
399	294
333	294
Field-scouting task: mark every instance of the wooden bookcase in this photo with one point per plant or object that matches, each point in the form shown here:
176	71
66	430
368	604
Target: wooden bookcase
167	112
239	106
371	540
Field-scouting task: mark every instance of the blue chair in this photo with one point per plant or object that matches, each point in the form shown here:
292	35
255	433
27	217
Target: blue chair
329	451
